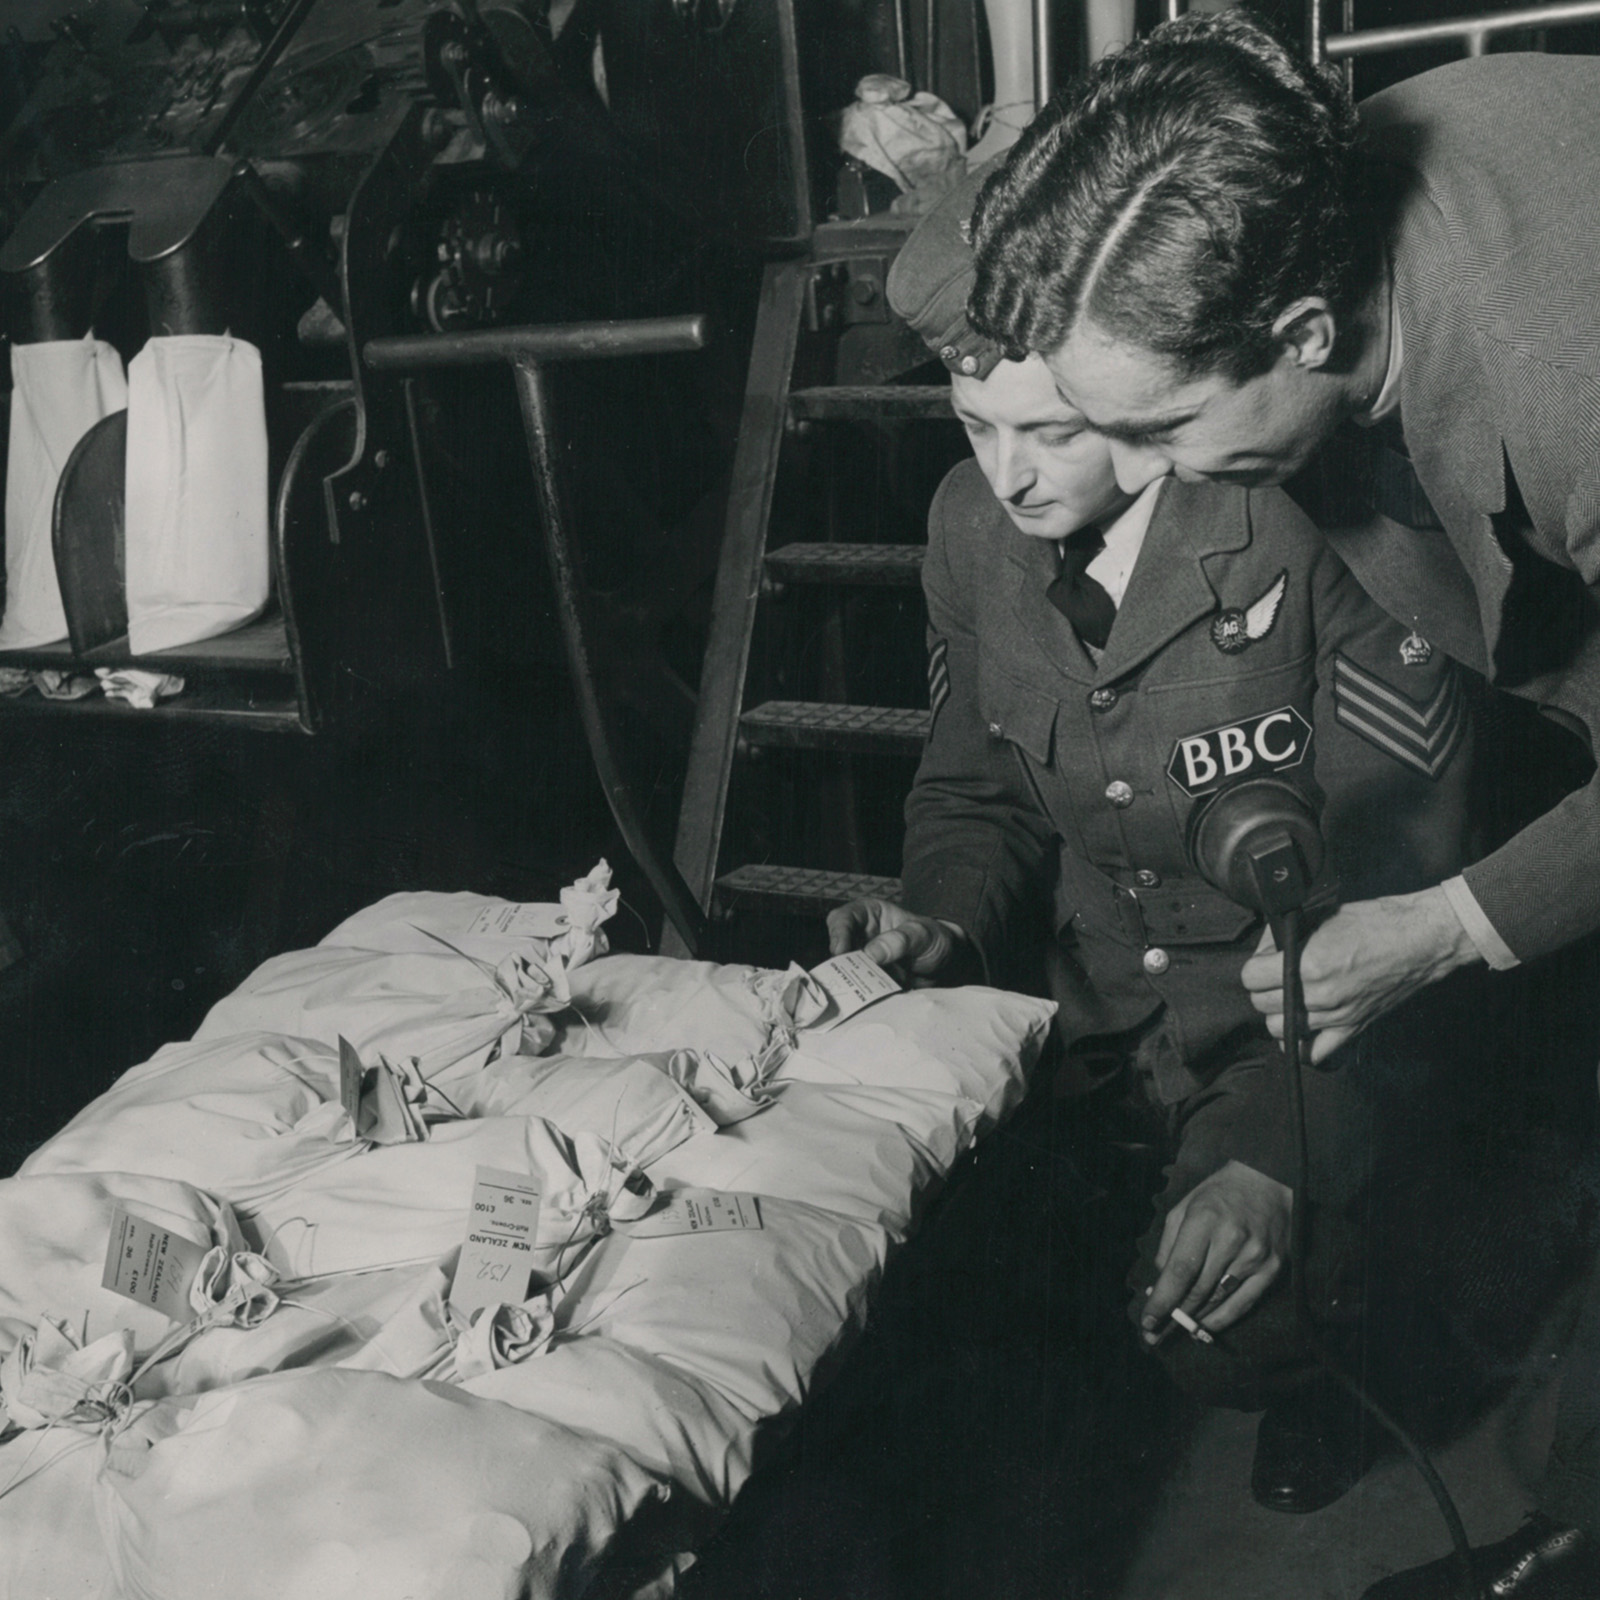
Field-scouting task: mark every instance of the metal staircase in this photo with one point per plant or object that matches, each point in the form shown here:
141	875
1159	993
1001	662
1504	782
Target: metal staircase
824	363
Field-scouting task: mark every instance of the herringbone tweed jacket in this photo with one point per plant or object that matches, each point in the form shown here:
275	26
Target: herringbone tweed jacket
1491	174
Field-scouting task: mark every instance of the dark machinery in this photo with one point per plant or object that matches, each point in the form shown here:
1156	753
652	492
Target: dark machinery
311	175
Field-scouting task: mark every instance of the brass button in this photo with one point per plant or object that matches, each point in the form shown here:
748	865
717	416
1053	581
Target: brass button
969	365
949	353
1102	700
1156	961
1146	879
1120	794
996	731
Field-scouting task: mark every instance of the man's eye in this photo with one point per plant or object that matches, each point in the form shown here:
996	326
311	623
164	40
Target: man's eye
1054	438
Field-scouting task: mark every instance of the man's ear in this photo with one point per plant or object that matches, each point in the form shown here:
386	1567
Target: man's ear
1307	332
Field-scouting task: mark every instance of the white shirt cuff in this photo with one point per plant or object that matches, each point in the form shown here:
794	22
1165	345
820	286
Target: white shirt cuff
1479	929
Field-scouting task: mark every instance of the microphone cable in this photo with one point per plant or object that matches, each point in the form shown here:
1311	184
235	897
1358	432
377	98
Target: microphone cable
1468	1586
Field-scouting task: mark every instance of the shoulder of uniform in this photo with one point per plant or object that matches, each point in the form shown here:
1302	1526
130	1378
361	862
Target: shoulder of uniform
964	522
964	506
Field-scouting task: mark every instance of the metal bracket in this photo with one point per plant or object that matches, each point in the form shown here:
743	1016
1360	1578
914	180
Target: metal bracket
847	291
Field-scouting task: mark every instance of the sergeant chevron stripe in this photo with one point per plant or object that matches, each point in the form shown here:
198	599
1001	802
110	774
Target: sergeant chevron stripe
1423	736
938	675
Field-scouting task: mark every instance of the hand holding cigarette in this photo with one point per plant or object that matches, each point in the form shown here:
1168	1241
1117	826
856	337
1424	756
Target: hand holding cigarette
1234	1225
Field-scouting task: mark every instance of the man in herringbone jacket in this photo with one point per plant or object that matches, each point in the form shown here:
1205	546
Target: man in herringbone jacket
1225	266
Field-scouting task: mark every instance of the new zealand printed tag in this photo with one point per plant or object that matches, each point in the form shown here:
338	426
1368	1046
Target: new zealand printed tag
852	982
151	1265
497	1253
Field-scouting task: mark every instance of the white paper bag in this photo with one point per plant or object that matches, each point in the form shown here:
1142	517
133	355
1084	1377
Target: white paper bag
60	389
197	490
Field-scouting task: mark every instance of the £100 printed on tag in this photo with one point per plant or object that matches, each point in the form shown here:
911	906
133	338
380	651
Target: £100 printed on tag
497	1254
150	1264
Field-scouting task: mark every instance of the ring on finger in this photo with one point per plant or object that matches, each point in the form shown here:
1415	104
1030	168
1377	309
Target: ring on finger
1226	1284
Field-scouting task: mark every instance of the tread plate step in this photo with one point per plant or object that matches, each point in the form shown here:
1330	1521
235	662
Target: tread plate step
872	402
892	564
812	725
798	891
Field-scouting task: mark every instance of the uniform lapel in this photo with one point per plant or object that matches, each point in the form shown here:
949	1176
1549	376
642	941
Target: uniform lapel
1034	564
1169	590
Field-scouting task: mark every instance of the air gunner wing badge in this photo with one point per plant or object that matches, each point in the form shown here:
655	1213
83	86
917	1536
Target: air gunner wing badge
1234	630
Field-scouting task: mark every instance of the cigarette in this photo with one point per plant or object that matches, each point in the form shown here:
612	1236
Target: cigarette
1190	1326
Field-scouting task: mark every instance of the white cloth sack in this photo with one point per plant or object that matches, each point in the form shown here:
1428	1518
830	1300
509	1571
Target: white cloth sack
59	391
410	1204
337	1485
241	1118
53	1236
196	490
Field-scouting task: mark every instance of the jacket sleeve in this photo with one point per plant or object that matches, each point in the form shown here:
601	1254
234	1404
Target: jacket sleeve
1393	745
978	848
1541	889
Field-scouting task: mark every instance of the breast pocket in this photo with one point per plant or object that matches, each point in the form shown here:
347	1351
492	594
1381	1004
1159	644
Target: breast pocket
1017	712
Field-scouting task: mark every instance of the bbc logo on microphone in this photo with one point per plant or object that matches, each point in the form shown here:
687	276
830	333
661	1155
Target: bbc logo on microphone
1272	742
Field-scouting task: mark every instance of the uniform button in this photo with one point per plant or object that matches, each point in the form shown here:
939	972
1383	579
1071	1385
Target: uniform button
1156	961
1146	879
1102	699
969	365
1120	794
949	353
996	731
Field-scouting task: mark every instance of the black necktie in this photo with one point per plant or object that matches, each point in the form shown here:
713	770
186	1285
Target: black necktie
1077	596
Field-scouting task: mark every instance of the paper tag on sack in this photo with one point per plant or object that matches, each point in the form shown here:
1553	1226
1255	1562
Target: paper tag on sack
514	921
497	1253
375	1101
350	1075
697	1211
150	1264
387	1117
852	982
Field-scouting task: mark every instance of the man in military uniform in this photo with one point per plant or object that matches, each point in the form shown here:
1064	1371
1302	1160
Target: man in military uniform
1098	664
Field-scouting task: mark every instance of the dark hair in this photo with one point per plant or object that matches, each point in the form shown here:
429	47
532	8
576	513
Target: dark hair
1181	193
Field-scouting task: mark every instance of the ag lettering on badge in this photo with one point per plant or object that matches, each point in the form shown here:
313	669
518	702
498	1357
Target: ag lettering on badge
1272	742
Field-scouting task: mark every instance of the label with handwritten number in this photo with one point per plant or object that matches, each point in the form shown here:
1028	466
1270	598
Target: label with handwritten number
853	982
497	1253
150	1264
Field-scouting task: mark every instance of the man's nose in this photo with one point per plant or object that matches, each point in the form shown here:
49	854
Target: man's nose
1014	472
1137	465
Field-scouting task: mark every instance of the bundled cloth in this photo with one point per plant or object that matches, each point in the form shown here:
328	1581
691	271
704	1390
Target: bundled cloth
136	687
452	981
915	139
